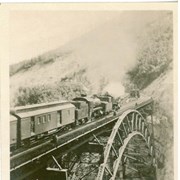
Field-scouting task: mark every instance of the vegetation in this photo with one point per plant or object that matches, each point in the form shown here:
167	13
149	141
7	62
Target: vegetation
40	60
154	61
24	65
154	53
154	56
46	93
65	88
70	86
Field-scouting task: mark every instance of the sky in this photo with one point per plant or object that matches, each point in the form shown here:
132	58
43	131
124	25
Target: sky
35	32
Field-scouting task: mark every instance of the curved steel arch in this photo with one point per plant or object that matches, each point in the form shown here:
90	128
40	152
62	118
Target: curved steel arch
129	125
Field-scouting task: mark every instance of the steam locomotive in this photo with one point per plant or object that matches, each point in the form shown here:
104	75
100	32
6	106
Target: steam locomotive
32	122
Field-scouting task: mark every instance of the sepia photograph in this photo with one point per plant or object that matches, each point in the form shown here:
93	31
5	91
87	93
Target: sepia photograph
91	91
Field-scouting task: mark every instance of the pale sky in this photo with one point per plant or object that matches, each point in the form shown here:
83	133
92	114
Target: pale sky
36	32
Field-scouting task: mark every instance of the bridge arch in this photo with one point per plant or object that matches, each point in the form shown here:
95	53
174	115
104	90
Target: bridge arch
130	143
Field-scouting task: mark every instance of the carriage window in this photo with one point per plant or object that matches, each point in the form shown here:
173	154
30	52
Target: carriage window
32	124
59	117
39	120
49	117
69	112
43	119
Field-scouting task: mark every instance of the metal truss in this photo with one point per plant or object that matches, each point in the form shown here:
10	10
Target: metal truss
129	148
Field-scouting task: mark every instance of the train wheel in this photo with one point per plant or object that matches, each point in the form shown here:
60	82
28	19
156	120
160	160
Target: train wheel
13	147
54	139
77	123
83	121
27	142
86	120
73	125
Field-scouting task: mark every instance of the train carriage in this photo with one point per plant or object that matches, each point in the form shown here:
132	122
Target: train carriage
39	120
13	127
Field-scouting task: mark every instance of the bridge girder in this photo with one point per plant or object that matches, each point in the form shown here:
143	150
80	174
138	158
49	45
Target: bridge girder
131	124
37	157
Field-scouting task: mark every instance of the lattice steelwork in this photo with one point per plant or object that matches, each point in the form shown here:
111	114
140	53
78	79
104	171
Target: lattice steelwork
129	152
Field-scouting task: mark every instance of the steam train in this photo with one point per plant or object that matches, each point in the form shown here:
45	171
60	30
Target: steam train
32	122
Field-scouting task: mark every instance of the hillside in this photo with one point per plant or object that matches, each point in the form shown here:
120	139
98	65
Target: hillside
88	61
161	90
153	75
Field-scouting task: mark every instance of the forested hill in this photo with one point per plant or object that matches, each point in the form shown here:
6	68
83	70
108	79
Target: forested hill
153	74
154	53
44	80
140	47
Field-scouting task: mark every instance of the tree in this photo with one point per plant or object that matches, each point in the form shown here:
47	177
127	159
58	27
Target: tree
155	51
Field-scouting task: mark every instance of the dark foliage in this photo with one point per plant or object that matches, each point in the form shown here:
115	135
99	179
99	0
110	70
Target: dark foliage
40	60
45	93
155	53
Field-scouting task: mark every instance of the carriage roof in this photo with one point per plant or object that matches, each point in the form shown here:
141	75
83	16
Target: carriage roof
38	109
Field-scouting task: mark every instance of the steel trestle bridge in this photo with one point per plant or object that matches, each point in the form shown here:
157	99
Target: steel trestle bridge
127	153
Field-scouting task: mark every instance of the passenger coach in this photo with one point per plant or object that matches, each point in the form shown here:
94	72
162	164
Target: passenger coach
38	120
